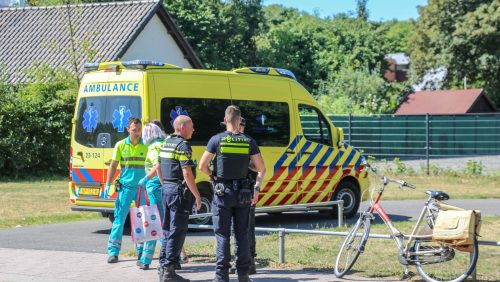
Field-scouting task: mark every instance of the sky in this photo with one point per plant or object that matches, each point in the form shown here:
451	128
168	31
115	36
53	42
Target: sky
379	10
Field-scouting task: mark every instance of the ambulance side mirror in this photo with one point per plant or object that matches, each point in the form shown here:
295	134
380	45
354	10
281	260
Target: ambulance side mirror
340	134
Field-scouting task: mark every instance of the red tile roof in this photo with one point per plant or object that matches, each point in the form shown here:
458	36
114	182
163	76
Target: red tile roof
439	102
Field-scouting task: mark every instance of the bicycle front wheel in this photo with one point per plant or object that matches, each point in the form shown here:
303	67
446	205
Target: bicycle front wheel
437	262
353	246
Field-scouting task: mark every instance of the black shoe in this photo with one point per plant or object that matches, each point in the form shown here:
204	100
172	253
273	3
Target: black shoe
112	259
244	278
142	265
169	275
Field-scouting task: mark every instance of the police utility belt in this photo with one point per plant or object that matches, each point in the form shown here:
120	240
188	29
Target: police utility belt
181	189
242	187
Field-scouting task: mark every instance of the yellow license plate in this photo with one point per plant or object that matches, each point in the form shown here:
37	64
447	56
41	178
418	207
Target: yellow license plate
90	191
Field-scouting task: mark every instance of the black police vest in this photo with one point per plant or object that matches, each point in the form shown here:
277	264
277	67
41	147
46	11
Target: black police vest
233	156
170	165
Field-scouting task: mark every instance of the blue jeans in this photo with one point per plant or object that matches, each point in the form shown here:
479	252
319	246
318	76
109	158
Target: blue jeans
122	207
155	198
175	225
226	210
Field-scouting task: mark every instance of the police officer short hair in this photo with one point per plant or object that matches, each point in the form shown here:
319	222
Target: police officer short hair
151	132
133	120
233	113
180	121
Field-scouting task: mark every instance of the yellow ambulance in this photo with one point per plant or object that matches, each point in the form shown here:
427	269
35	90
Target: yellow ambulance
306	157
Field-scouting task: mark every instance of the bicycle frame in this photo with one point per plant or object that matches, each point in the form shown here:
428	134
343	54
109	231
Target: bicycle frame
396	234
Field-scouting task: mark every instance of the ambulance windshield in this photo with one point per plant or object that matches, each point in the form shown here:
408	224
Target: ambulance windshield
102	120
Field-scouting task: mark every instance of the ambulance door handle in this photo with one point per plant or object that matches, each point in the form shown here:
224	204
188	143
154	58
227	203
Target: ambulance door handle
306	153
289	152
80	155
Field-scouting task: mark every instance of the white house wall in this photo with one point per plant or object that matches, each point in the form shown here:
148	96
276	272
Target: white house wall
154	43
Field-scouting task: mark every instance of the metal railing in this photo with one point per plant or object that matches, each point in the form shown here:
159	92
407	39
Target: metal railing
294	207
283	231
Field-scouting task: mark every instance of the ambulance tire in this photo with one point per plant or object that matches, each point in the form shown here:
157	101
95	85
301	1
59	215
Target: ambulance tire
111	218
206	206
349	192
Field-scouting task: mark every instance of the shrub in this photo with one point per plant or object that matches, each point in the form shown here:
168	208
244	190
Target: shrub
35	124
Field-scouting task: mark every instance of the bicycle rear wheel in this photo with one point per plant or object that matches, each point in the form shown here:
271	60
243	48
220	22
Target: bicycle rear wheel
353	246
450	264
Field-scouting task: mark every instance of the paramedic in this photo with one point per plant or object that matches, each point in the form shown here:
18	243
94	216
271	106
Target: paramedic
130	153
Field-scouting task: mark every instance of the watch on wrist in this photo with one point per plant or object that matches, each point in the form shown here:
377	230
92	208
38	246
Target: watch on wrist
257	188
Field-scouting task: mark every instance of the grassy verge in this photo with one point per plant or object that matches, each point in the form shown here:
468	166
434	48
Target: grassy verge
464	187
379	260
37	202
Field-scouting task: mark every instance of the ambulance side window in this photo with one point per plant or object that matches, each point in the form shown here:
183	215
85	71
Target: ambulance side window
314	125
267	122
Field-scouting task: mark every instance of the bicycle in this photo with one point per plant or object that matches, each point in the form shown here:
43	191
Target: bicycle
434	260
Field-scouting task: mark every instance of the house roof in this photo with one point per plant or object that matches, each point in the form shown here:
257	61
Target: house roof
441	102
399	58
88	32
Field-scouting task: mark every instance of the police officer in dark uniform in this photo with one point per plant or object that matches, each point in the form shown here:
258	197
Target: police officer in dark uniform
234	194
176	172
251	176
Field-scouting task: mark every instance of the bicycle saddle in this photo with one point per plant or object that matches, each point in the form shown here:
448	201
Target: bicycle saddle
438	195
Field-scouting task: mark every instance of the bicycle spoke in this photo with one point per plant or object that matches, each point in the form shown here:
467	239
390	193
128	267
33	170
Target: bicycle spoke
438	262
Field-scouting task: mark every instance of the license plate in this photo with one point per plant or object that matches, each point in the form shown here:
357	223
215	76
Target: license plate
94	191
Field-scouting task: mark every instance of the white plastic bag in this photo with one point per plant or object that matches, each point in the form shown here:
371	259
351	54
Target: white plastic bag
145	221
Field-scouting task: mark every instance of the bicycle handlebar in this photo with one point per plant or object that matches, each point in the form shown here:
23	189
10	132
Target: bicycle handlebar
386	180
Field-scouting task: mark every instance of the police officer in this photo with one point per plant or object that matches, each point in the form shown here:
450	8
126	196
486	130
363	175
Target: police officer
233	193
251	176
176	171
130	153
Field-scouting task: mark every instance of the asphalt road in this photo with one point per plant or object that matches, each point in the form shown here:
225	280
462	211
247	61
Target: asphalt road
92	236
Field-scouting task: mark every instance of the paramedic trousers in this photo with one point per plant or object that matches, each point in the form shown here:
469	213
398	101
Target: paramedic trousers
226	210
175	224
155	197
122	206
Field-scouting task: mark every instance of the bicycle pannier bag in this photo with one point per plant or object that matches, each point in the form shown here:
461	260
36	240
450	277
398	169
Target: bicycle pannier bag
456	227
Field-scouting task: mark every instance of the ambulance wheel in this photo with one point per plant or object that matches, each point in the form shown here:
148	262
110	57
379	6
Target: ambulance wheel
206	207
349	192
111	218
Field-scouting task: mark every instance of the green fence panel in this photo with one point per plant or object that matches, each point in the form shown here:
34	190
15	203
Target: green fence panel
409	135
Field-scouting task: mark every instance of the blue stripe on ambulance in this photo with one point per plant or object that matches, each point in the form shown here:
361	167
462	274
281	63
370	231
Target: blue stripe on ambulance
299	155
311	157
324	158
283	157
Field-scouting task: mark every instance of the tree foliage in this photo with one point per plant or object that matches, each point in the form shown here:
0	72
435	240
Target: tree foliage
462	36
221	32
35	124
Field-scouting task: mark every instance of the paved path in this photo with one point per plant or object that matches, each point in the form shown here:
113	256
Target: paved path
47	266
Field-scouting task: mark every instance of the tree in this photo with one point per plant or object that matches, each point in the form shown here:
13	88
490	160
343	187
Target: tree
361	10
397	35
360	91
221	32
462	36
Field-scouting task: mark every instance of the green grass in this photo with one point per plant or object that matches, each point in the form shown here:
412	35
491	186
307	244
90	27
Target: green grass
462	187
37	202
314	252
